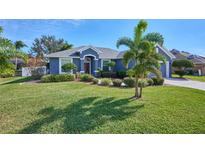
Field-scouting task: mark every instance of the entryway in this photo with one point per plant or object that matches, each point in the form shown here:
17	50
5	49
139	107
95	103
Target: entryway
87	65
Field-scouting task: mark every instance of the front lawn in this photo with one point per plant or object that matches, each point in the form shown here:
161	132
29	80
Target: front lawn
74	107
191	77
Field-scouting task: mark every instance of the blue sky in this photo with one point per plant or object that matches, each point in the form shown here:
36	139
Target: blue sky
186	35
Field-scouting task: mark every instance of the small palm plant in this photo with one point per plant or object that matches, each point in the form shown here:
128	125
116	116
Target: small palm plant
142	53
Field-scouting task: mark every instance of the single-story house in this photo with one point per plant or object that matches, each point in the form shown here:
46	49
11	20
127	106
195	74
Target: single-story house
89	59
198	61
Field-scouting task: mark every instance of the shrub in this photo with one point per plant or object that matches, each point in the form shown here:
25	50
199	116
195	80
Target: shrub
158	81
150	82
181	66
95	81
181	73
57	78
7	73
105	82
68	67
142	83
117	82
130	82
86	77
121	74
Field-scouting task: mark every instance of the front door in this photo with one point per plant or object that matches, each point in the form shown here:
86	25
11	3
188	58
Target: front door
87	68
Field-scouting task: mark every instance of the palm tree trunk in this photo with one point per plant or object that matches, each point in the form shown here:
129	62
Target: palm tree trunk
136	87
140	95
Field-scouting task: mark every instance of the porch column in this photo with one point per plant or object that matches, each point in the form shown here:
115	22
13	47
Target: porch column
81	65
95	66
167	69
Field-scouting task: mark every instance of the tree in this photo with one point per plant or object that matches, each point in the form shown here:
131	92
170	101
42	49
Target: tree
181	66
154	37
111	64
48	44
68	67
149	61
19	44
1	29
8	51
142	53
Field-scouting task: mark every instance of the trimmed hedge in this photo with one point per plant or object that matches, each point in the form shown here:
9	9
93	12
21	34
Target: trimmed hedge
105	82
86	77
121	74
129	82
117	82
158	81
58	78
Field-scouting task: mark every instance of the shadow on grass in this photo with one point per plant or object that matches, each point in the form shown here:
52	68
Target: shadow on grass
19	80
84	115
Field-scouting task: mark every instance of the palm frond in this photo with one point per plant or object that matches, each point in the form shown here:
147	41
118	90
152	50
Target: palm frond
127	57
155	71
125	41
139	29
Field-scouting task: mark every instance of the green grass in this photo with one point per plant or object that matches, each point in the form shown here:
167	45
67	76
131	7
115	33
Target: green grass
191	77
14	80
74	107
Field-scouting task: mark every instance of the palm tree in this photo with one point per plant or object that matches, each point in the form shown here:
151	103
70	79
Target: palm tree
142	52
149	61
19	45
8	51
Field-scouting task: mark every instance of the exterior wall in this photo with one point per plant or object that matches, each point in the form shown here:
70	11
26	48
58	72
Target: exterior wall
200	67
54	65
76	61
167	58
99	63
163	66
89	52
120	66
163	70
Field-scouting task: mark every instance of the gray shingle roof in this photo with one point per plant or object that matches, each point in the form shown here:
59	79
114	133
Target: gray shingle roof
65	53
186	55
103	52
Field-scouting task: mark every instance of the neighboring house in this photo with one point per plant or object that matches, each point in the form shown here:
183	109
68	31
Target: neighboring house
17	61
89	59
199	61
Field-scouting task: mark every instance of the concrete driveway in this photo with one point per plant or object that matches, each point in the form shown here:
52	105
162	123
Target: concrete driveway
185	83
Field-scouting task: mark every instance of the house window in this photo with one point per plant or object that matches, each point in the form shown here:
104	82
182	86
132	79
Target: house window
64	61
105	64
